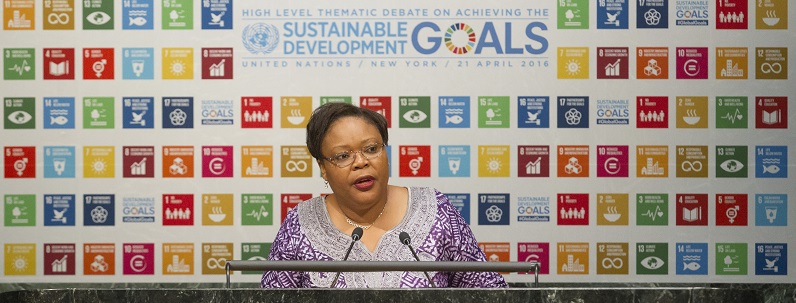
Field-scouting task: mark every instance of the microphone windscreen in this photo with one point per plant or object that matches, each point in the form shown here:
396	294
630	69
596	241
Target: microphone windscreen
404	237
357	234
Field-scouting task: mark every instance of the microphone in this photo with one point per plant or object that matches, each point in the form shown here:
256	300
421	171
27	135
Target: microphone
355	236
404	237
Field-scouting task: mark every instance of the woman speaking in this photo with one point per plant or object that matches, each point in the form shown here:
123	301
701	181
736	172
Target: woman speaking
348	143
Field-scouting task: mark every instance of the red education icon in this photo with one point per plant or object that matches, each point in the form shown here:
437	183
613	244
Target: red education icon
289	201
59	63
771	112
380	105
692	210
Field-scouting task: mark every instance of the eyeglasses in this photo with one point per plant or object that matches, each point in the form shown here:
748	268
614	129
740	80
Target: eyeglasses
345	159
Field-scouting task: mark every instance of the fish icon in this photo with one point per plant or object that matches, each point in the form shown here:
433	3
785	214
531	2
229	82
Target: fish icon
60	120
772	169
455	119
137	21
693	266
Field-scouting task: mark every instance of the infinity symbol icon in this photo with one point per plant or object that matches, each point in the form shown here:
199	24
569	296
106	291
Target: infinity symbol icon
768	68
62	18
214	263
292	166
691	166
613	263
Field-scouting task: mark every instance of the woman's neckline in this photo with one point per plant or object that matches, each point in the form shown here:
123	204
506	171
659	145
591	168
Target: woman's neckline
340	233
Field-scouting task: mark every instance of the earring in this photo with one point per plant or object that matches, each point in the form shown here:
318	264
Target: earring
325	184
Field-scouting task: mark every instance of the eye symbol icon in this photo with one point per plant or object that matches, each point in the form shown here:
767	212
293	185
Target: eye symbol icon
732	166
652	262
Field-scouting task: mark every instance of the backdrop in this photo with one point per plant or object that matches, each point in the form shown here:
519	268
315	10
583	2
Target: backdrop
610	140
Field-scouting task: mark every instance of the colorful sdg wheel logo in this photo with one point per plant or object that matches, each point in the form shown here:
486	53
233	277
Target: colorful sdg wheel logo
460	38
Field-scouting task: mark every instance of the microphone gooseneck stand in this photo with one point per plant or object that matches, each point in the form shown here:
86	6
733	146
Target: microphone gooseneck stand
355	236
406	240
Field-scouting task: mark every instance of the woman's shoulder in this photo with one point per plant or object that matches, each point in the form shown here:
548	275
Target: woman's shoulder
306	209
311	202
291	223
429	194
293	229
296	215
432	198
446	212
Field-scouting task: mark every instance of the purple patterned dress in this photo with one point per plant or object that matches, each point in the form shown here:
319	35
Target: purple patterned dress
439	232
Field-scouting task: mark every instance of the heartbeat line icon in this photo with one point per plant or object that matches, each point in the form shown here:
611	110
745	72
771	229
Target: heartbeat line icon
733	116
257	214
20	69
654	214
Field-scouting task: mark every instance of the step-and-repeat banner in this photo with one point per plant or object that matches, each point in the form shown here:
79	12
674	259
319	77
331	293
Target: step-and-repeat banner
610	140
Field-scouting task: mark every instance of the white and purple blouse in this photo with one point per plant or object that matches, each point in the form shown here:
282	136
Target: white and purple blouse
438	231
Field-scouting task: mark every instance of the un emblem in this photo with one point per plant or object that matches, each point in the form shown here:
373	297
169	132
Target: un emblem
260	37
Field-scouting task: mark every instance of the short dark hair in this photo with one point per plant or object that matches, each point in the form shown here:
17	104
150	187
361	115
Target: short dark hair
325	115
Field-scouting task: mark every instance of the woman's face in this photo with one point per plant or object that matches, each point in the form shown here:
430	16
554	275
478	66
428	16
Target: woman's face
364	181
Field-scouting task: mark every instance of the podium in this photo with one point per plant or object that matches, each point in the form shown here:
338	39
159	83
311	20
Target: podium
327	295
377	266
581	293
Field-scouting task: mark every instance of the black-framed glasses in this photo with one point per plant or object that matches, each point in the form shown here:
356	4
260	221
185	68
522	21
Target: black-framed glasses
344	159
